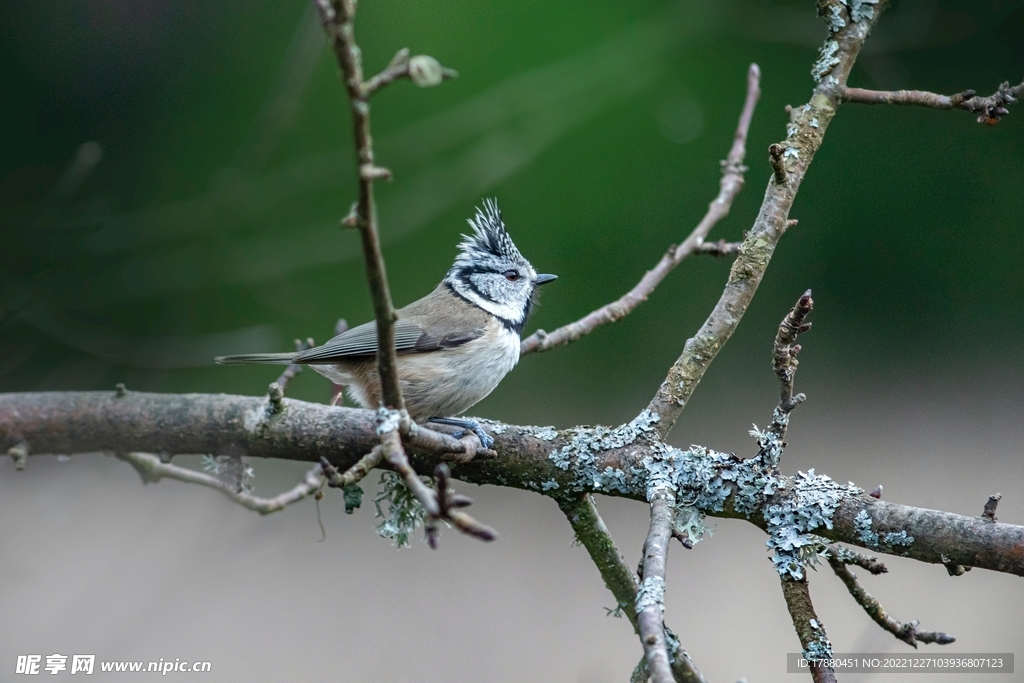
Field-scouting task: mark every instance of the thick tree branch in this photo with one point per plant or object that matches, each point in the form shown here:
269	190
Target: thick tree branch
806	132
90	422
908	632
808	628
989	109
152	470
729	187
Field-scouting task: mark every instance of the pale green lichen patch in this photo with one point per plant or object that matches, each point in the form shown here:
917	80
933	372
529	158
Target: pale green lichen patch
702	481
819	646
387	420
810	505
651	593
493	425
885	542
862	9
404	513
587	443
689	522
827	61
544	433
833	16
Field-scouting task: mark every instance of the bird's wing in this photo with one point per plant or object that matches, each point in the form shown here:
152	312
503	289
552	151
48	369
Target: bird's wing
409	337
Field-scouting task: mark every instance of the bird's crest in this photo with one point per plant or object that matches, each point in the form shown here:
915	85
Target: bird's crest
489	238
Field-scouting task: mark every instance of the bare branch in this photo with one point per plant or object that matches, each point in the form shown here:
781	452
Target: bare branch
784	353
809	629
650	598
718	249
989	109
729	187
806	131
908	632
153	470
338	23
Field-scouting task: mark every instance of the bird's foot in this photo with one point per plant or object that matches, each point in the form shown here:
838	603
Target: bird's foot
485	439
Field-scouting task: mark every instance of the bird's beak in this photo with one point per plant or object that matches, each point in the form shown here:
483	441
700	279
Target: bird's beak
541	279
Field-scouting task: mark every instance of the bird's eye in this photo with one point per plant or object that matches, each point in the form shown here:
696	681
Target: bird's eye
511	275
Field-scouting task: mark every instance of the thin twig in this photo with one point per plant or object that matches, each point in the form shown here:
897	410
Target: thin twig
428	498
650	598
808	628
338	20
847	556
718	249
784	361
424	71
806	132
153	470
354	474
729	186
447	502
989	109
907	632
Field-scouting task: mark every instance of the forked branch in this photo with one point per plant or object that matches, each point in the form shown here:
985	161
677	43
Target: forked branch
152	470
807	128
989	109
908	632
729	186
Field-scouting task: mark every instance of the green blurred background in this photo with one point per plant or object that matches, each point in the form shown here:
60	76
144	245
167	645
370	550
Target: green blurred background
174	173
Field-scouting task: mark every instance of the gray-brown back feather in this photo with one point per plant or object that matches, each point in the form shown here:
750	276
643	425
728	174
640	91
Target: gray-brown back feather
440	320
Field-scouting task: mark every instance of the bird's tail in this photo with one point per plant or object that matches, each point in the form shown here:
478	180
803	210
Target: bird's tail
272	358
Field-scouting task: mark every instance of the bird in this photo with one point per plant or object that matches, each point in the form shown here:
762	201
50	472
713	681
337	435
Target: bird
453	346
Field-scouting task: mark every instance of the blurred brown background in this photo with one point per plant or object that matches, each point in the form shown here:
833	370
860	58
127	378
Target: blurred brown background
202	219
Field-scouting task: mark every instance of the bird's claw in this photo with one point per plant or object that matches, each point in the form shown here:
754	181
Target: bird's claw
486	440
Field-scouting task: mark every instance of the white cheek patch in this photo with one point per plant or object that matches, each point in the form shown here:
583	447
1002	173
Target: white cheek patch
512	312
